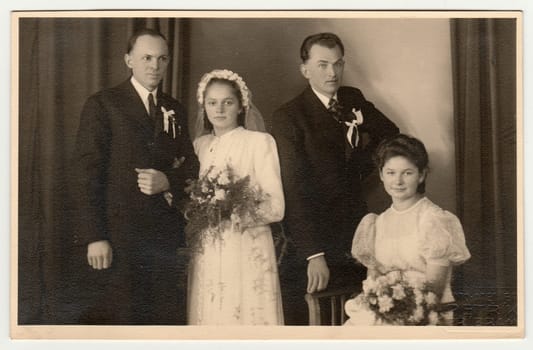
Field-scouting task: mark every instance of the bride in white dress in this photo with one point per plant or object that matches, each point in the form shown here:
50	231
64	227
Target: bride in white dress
233	280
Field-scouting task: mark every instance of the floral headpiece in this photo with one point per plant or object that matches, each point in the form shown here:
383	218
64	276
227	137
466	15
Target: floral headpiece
224	74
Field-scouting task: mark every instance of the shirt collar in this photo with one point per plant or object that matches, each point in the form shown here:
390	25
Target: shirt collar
143	92
323	98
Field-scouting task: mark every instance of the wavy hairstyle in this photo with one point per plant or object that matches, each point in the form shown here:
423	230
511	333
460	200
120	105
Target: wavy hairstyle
404	146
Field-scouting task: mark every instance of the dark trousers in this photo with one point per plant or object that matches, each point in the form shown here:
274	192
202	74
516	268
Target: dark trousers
139	289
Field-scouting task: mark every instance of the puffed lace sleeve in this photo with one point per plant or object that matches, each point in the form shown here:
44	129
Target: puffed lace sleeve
443	240
363	249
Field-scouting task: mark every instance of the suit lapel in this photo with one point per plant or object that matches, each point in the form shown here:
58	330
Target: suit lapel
133	107
321	121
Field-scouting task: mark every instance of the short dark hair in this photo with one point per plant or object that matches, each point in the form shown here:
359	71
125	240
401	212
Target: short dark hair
144	31
236	90
329	40
405	146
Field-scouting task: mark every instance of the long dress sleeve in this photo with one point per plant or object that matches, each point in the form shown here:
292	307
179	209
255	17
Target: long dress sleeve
443	241
268	178
363	249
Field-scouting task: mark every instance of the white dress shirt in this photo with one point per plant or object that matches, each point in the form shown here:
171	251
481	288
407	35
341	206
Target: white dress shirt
143	92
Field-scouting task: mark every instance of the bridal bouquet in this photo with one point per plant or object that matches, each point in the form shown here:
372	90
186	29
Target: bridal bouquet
216	199
399	299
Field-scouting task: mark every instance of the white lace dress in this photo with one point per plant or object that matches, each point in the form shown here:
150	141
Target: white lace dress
234	280
408	241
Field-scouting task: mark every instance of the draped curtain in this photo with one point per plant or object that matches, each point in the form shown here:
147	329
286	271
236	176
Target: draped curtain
61	62
484	62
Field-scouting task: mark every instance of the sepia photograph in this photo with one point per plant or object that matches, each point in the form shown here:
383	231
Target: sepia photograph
313	174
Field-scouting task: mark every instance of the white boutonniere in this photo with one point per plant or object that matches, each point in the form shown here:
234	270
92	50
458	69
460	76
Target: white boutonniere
358	116
352	127
169	120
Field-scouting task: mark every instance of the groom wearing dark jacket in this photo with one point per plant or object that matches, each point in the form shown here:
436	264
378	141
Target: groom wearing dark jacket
325	138
133	155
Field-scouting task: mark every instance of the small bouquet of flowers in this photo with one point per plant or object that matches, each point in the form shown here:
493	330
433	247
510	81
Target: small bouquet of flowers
219	198
397	298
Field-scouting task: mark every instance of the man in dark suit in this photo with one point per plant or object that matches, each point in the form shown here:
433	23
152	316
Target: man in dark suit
325	138
133	155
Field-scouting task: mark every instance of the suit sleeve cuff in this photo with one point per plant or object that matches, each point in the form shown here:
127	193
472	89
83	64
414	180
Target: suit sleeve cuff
315	256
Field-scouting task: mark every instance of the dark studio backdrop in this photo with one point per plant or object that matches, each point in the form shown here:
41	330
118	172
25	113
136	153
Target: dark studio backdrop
463	108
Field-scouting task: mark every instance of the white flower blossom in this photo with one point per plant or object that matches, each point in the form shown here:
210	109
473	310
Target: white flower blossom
369	285
431	298
414	280
385	303
223	179
220	195
393	277
398	292
382	281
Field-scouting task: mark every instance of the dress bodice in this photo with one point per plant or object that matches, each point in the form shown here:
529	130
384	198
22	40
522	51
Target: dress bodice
398	239
411	239
248	153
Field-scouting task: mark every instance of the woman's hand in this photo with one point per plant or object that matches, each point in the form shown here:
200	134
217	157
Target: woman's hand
436	276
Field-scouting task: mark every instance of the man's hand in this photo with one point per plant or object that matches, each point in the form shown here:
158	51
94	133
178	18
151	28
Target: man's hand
152	181
317	274
99	255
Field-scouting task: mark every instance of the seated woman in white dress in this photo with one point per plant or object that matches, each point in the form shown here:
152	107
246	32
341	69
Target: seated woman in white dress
233	278
413	236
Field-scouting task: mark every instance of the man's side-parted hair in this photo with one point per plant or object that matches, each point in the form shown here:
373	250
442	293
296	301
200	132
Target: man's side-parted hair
328	40
144	31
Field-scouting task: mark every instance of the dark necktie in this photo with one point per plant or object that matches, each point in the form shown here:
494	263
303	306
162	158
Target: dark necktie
156	117
151	106
335	109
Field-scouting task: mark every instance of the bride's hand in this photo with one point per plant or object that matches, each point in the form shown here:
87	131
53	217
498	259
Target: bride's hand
317	274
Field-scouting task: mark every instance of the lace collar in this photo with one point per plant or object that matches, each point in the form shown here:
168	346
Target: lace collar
412	207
